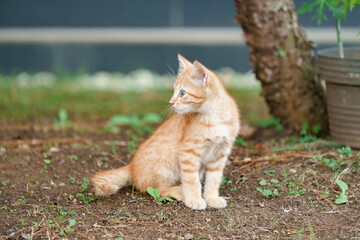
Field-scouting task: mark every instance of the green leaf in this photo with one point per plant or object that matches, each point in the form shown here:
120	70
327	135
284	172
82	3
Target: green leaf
157	192
241	142
73	157
280	53
304	129
316	129
63	116
337	11
267	172
263	182
151	118
259	189
47	161
124	119
342	185
343	198
291	185
267	192
319	14
169	199
274	180
151	191
72	222
86	180
275	192
307	7
345	151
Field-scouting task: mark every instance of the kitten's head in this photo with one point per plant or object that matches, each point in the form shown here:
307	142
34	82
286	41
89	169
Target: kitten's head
194	86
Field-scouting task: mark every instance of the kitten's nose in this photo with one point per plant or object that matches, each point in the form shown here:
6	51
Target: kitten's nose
171	104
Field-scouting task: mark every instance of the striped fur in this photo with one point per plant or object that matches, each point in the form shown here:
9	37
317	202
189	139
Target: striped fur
195	141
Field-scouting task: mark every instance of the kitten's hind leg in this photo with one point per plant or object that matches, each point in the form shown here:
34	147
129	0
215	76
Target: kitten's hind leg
175	192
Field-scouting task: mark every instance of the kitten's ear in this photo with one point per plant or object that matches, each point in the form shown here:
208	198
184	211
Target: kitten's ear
183	63
199	75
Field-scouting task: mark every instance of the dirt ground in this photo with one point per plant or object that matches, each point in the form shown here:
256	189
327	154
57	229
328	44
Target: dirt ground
45	194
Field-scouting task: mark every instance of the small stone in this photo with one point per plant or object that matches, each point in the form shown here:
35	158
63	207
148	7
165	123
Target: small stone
25	236
11	231
261	205
65	209
188	236
208	219
54	149
170	235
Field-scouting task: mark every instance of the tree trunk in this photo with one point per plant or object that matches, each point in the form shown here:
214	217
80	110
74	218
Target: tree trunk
283	62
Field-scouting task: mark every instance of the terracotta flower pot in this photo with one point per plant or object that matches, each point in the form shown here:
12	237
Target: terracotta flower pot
342	77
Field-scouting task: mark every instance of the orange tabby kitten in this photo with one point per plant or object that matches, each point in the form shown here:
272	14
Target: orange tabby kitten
197	139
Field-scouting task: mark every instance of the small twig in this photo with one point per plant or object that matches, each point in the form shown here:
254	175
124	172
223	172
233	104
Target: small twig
324	228
34	142
279	158
125	222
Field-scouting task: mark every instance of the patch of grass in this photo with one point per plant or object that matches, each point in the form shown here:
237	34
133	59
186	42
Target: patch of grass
86	199
272	122
69	228
294	190
270	190
140	123
43	103
132	145
241	142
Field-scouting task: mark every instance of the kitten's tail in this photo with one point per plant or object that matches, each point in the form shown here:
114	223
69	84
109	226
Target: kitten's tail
109	182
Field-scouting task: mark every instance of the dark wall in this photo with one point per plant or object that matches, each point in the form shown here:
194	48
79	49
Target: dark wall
123	13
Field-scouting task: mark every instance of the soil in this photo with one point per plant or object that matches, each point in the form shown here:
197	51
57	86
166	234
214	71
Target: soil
44	191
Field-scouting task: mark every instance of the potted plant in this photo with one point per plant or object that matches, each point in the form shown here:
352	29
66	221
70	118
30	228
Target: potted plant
340	68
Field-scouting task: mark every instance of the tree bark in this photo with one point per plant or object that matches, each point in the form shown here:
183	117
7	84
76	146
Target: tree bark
283	61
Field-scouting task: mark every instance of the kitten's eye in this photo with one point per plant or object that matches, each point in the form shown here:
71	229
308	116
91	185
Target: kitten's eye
182	93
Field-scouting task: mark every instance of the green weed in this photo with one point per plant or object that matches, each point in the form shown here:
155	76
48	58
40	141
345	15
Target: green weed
343	198
85	186
270	190
241	142
155	193
69	228
72	180
272	122
63	120
161	216
73	157
47	161
267	172
132	145
139	123
86	199
113	147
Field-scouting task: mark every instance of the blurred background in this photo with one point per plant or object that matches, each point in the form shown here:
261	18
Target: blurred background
51	48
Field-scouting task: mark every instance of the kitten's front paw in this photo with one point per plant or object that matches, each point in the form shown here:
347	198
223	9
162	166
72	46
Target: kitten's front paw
217	202
197	204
